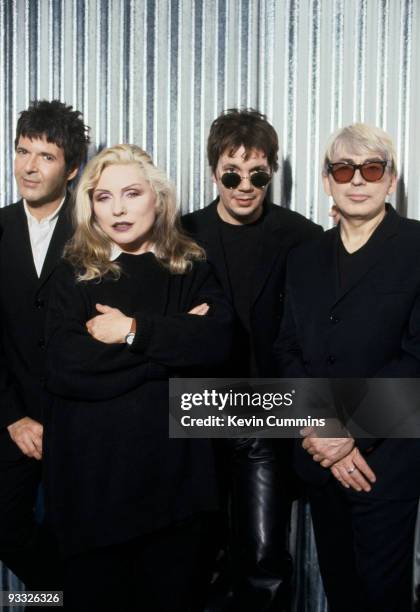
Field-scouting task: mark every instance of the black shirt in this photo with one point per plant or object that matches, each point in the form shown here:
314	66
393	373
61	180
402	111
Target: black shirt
242	246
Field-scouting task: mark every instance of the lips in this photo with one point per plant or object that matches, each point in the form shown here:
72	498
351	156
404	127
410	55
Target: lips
358	197
29	183
243	201
122	226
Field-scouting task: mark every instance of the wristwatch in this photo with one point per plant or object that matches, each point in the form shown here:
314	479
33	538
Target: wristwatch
129	339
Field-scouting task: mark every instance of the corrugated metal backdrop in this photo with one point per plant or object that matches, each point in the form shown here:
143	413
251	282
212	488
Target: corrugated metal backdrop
156	72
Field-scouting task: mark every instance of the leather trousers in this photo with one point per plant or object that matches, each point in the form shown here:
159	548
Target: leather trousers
256	576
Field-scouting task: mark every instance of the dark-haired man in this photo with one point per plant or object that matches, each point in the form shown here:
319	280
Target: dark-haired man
247	240
51	144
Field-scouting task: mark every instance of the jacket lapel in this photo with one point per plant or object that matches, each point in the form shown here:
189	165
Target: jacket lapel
62	233
376	249
211	240
22	248
273	235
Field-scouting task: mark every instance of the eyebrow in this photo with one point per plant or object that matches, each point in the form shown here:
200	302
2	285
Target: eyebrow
257	167
22	148
349	160
127	188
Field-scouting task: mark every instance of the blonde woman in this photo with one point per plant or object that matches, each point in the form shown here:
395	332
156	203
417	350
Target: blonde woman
134	303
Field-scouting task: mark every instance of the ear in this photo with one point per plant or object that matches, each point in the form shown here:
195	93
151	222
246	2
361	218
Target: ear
393	184
326	184
72	173
213	178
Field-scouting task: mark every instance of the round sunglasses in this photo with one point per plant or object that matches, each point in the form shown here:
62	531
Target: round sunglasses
371	171
259	179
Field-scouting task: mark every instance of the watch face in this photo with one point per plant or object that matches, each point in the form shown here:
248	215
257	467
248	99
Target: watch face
130	338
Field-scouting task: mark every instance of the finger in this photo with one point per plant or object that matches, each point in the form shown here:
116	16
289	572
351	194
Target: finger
103	308
363	467
27	446
354	479
326	463
357	481
336	473
307	431
37	442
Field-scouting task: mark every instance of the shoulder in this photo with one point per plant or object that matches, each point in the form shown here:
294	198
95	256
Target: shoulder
9	212
292	220
308	252
195	221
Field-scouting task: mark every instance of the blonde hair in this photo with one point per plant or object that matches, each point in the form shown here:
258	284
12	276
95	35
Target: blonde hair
358	138
89	250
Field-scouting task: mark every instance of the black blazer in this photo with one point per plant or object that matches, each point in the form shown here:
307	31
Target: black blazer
23	302
370	330
283	229
112	473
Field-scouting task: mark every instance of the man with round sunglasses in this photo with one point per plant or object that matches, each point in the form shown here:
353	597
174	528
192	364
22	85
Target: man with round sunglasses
247	240
356	314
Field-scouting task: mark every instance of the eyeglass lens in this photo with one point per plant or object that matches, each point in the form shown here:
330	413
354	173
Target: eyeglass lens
370	171
259	179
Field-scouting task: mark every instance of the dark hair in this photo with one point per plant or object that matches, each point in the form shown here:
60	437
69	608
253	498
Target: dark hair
245	127
60	124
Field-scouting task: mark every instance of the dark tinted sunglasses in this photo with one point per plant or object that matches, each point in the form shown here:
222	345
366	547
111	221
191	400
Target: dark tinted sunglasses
371	171
259	179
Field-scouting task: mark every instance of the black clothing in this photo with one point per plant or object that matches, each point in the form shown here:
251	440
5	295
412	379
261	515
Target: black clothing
369	328
163	567
257	472
282	230
242	245
23	301
107	434
351	266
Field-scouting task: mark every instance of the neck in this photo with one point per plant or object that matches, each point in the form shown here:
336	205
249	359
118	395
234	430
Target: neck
355	233
40	211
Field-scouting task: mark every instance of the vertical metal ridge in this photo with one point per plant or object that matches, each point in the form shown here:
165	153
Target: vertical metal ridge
360	61
337	62
289	116
404	88
312	178
382	63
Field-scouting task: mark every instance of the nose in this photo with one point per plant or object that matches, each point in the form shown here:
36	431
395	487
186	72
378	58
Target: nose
245	184
118	207
357	178
31	164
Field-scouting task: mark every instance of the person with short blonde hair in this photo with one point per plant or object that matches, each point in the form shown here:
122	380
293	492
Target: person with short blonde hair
355	313
134	304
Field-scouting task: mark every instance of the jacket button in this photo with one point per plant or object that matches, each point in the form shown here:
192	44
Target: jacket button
41	343
39	303
330	359
281	297
334	319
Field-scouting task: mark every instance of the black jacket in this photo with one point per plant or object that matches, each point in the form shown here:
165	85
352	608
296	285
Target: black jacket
282	230
23	303
112	474
370	330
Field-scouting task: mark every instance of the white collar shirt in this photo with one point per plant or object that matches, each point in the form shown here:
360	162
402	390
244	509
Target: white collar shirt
40	234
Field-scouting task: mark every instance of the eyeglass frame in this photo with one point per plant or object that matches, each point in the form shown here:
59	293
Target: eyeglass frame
384	163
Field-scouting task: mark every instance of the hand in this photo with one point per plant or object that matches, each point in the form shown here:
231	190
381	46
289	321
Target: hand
201	309
354	472
110	327
325	451
27	434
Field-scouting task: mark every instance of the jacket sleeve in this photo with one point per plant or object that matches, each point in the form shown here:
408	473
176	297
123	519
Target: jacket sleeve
78	366
11	409
184	340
